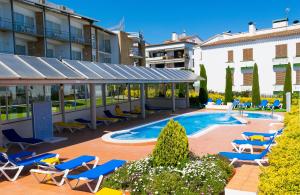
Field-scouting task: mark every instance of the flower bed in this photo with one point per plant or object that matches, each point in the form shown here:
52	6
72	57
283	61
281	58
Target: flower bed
206	175
282	176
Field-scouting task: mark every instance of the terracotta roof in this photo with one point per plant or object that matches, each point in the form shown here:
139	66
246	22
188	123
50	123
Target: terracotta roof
255	37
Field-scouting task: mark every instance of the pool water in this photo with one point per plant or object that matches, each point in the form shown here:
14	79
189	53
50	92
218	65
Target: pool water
193	123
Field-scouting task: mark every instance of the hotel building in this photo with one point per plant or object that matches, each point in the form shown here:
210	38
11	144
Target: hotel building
271	49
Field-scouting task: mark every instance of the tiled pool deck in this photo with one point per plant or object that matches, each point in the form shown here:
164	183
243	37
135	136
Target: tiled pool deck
90	142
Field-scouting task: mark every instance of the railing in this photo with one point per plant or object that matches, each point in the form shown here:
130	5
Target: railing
57	34
5	23
25	28
135	52
79	39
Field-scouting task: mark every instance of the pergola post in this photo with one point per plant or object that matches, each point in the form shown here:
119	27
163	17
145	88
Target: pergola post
143	100
103	88
173	97
93	106
129	96
146	91
187	96
62	102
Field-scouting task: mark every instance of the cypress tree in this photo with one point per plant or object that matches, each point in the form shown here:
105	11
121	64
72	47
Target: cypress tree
228	87
255	87
287	83
203	95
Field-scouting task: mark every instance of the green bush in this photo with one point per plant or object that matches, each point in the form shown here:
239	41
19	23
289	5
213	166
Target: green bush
287	83
255	87
282	176
172	147
203	95
228	86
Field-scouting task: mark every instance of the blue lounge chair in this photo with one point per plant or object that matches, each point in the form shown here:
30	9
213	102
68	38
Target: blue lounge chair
219	102
110	115
246	135
17	164
276	104
258	158
62	169
209	100
235	103
247	104
12	137
16	157
87	122
241	145
96	173
263	104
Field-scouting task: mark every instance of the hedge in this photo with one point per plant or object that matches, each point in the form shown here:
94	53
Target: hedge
282	176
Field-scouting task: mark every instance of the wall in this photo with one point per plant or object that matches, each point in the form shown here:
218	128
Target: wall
166	103
24	128
215	58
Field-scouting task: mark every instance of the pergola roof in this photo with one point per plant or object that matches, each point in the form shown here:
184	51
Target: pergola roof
16	69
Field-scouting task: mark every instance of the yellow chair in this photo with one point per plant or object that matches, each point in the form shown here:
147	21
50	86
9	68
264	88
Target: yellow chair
108	191
51	161
71	126
105	119
3	149
119	112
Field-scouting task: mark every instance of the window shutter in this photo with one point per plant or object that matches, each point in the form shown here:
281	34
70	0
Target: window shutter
298	77
248	54
280	77
297	49
281	51
247	79
230	56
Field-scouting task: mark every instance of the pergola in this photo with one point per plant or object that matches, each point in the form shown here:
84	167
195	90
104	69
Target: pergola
28	70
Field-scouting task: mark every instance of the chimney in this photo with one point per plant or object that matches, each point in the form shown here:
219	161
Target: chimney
174	36
252	28
280	23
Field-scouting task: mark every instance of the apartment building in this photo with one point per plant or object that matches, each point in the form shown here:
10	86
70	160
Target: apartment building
41	28
174	53
271	49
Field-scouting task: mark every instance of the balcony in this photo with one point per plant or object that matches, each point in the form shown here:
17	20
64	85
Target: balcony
25	28
5	24
57	35
277	87
79	39
135	52
280	60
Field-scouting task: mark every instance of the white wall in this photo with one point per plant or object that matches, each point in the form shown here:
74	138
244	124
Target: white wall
215	57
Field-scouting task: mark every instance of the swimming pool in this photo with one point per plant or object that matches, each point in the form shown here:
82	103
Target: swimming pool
194	123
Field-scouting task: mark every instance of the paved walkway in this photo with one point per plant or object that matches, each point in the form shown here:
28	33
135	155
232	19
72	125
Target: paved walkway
90	142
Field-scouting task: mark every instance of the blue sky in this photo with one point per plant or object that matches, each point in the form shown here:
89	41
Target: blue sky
157	19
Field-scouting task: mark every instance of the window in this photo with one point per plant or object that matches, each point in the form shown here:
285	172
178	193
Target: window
105	58
2	103
297	49
248	54
280	77
52	26
82	96
179	65
20	49
99	95
76	55
23	23
16	105
230	56
50	53
281	51
159	65
107	47
116	94
69	96
247	79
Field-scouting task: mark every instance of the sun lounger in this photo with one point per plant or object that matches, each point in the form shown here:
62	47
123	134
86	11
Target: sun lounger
247	135
276	104
110	115
71	126
155	108
88	122
17	156
62	169
241	145
258	158
119	112
16	163
219	102
12	137
263	104
95	174
107	120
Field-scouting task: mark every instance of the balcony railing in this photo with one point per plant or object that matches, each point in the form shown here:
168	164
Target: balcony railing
5	23
135	52
80	39
25	28
57	34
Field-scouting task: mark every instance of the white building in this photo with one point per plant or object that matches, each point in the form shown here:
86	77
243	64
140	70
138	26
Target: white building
174	53
270	49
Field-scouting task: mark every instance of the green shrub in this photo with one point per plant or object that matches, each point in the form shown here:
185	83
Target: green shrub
282	174
228	86
203	95
255	87
172	147
287	83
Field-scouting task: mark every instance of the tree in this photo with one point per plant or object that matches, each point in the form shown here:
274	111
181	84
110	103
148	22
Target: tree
172	147
228	87
287	83
203	95
255	87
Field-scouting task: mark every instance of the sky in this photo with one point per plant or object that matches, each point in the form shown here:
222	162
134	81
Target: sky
157	19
